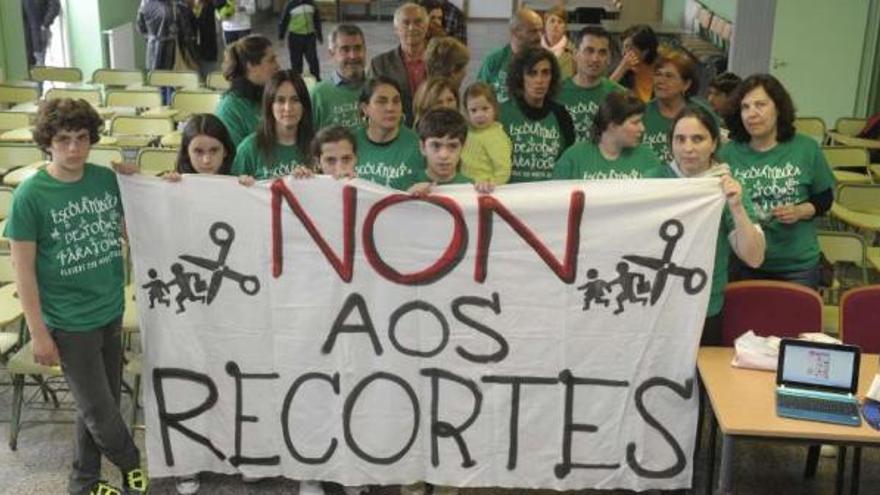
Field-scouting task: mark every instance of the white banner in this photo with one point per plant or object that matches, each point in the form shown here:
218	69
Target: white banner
542	337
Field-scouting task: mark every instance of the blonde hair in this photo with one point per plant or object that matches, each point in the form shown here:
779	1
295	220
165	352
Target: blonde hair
427	95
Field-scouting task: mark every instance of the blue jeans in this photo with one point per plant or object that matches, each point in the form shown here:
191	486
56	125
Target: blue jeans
808	278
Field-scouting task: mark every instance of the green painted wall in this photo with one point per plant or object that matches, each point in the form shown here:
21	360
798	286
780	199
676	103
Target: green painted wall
673	12
726	9
84	33
13	58
116	12
817	53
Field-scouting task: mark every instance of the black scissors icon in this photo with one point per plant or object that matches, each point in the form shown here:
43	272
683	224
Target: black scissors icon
222	235
694	278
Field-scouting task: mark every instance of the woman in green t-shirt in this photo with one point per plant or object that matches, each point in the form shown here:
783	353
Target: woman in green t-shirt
614	150
695	138
675	84
247	65
281	143
388	152
539	128
786	175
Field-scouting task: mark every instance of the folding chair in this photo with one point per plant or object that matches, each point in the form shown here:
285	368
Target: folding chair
216	81
11	313
843	250
105	156
811	126
188	102
145	98
848	164
139	132
5	205
174	79
93	96
860	197
14	94
13	120
13	156
56	74
157	161
769	307
849	126
117	77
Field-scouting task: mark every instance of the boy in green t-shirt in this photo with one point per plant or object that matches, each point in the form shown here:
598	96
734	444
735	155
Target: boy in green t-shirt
442	133
65	229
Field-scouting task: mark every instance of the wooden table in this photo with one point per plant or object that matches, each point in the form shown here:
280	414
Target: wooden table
744	405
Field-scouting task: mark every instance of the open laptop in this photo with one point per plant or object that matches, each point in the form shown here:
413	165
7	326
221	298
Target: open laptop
818	382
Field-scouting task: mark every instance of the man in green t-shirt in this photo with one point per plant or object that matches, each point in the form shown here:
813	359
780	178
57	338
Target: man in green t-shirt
65	229
582	93
335	102
525	31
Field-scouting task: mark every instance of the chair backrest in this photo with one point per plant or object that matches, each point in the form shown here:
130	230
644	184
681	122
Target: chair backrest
7	271
844	247
196	101
859	318
117	77
105	155
93	96
216	81
845	156
174	78
5	201
863	198
769	307
141	126
811	126
13	120
12	155
157	160
56	74
13	94
850	126
146	98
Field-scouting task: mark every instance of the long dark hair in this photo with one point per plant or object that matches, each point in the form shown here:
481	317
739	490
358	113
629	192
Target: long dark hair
776	91
204	124
267	136
524	61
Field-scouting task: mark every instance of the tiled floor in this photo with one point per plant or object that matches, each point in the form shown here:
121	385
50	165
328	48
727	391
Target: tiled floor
40	464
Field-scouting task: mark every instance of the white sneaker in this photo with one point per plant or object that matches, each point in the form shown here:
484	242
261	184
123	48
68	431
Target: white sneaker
356	490
251	479
188	485
310	488
828	451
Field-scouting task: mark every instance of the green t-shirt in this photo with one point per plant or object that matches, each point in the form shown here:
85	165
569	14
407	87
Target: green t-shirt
77	227
334	104
789	173
422	176
390	164
240	116
537	144
657	128
722	243
250	161
583	103
494	71
583	160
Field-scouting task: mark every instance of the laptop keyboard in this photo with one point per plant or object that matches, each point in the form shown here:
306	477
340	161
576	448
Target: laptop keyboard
818	405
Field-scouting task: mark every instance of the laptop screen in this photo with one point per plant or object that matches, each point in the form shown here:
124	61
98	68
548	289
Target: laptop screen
821	366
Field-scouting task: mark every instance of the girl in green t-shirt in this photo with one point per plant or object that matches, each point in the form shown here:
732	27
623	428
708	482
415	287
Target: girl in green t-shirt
247	65
786	175
614	150
280	144
695	138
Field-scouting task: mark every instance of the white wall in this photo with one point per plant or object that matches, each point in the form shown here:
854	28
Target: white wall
492	9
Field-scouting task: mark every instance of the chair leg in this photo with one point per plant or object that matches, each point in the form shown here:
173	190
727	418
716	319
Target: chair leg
136	392
841	470
47	391
17	398
812	462
856	470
